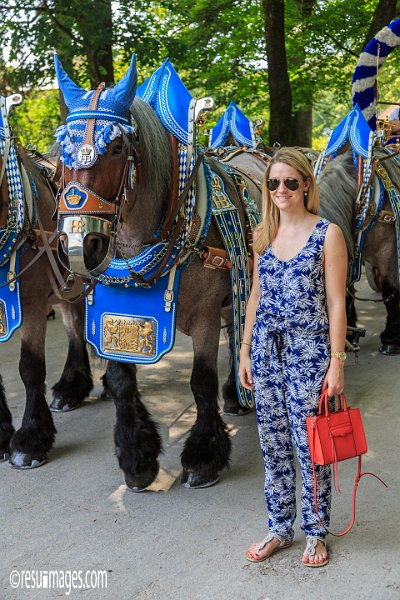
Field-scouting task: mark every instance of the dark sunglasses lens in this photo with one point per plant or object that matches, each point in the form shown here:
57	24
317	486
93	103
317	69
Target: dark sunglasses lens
272	184
291	184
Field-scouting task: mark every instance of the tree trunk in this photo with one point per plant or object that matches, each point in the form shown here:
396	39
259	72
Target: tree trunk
302	128
384	13
98	51
278	79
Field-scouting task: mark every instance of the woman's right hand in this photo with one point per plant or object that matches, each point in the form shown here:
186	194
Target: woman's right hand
245	376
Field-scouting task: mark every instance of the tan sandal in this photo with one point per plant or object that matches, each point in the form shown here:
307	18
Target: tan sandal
283	544
311	548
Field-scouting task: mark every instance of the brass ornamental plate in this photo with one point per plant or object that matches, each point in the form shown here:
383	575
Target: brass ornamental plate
3	320
128	335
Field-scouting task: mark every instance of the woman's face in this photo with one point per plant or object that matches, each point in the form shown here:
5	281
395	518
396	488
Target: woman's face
283	196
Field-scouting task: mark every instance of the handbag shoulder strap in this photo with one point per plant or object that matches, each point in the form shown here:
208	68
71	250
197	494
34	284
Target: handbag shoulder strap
353	500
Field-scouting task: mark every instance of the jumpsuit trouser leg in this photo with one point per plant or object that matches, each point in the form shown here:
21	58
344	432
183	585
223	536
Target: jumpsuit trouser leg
287	391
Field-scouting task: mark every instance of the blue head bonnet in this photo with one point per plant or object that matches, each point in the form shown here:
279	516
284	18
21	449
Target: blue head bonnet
109	109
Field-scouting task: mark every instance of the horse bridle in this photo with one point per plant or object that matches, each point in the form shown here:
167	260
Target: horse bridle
82	212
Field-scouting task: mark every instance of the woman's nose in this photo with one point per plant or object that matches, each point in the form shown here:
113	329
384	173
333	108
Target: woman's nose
281	185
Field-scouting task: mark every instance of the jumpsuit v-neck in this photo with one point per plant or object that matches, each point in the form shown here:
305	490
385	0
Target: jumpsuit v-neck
290	356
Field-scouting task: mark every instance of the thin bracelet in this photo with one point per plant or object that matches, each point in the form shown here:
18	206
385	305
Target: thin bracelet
246	344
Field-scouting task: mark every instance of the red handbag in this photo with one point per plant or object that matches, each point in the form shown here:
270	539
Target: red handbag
336	436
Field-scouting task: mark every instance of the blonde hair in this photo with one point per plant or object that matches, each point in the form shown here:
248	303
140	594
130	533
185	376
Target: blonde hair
266	231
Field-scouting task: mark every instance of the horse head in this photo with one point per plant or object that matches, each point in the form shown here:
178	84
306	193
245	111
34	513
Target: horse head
97	166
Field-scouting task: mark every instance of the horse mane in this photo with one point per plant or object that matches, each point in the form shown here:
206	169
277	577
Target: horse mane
155	150
337	186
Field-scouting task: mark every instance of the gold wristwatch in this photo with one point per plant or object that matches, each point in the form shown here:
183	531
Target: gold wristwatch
340	355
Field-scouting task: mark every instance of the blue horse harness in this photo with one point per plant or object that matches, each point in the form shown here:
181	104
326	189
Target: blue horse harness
10	304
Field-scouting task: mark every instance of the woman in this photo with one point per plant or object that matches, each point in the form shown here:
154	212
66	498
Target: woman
293	344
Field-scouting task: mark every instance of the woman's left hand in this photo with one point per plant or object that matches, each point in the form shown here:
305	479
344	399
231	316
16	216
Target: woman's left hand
334	378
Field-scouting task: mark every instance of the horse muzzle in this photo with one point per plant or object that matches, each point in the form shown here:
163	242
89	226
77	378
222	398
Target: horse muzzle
86	244
87	226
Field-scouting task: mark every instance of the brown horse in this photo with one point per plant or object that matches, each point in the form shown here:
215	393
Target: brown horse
28	446
203	293
338	190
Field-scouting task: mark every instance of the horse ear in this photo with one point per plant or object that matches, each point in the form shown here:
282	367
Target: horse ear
125	90
69	89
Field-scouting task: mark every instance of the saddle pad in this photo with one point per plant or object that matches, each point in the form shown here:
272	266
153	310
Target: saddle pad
10	304
133	324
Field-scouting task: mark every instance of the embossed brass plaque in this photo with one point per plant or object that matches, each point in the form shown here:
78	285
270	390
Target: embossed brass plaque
128	335
3	320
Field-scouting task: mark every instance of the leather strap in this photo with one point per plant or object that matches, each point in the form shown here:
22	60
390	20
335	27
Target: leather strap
74	193
89	137
174	213
215	258
56	270
354	494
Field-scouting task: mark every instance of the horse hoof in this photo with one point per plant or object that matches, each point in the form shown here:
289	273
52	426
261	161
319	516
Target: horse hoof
388	349
21	460
61	405
194	481
236	411
139	483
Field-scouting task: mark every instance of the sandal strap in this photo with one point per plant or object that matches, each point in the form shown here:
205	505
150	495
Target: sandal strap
312	542
268	538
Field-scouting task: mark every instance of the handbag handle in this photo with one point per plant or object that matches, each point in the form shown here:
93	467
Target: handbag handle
323	402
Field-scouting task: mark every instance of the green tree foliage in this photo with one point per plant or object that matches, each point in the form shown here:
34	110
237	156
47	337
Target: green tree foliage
37	118
218	48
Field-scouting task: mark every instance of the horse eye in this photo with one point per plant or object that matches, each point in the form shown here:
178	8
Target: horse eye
117	149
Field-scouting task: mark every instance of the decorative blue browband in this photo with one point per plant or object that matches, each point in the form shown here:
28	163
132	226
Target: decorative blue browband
227	219
10	304
233	122
135	325
96	114
365	74
169	98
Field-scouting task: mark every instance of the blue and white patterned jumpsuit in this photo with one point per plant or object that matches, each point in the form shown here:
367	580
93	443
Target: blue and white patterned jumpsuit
290	356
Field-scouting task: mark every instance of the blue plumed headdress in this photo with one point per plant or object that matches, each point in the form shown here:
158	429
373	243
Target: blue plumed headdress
110	110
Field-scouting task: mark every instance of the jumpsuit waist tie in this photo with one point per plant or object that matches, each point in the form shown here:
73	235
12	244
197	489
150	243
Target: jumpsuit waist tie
278	341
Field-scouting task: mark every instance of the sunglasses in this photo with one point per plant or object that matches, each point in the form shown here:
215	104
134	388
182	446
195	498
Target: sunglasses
289	183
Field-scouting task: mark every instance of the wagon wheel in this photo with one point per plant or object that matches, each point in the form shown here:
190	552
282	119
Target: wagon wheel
371	59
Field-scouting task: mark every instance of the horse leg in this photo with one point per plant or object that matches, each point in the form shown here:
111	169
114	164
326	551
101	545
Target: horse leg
6	426
136	436
207	449
390	337
31	443
76	381
232	406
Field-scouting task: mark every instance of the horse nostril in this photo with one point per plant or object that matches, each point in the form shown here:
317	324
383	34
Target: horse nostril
95	248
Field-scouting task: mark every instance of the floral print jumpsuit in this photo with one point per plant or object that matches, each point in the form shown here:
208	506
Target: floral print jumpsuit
290	356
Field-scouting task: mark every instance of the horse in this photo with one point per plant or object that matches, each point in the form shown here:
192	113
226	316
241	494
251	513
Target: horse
28	447
203	292
338	189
